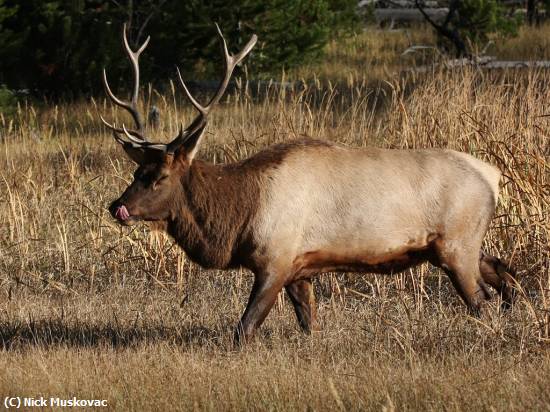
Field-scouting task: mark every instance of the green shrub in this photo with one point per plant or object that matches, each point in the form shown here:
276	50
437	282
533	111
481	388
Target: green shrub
480	18
470	24
8	101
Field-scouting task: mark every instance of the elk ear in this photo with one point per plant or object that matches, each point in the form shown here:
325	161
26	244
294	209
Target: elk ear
189	147
137	154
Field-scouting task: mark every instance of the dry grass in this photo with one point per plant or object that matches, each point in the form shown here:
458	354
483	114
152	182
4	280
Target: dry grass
376	55
532	43
370	56
89	309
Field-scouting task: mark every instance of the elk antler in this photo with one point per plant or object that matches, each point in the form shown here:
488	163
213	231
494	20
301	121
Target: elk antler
200	121
136	136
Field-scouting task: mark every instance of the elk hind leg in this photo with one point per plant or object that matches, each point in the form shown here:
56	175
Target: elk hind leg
499	275
461	265
303	299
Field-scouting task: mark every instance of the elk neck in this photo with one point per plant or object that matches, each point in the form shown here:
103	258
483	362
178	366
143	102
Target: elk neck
214	212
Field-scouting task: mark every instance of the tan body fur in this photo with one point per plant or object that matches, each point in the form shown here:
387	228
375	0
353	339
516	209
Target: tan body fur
368	205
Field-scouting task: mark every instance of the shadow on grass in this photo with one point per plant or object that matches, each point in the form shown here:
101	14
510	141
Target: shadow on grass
17	335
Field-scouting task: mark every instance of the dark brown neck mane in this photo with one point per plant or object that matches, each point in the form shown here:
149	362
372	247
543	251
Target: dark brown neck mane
213	214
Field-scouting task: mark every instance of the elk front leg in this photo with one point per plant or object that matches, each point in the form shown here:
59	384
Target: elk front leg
263	296
303	299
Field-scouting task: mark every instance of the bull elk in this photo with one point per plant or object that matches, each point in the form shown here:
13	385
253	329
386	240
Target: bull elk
305	207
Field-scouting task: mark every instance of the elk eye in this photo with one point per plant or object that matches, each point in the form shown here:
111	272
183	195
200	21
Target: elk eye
159	181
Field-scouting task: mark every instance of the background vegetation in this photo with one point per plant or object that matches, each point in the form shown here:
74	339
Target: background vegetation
71	41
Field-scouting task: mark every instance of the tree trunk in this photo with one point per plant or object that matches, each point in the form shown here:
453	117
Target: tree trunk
532	12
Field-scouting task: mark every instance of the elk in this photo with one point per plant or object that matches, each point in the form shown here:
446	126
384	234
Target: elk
305	207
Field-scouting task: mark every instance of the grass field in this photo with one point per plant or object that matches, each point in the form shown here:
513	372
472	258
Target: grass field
92	310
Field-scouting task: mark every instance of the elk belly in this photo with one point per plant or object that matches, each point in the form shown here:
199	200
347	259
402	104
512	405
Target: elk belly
341	260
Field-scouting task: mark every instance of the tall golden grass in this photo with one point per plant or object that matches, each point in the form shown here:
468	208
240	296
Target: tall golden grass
93	310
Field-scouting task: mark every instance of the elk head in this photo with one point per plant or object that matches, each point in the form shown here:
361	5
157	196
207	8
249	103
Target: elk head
161	167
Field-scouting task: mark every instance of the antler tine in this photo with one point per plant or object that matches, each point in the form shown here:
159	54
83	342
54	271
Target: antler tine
134	58
193	101
132	105
230	62
136	136
131	137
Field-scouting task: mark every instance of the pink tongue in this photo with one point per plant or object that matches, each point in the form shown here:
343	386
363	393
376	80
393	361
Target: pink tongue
122	213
